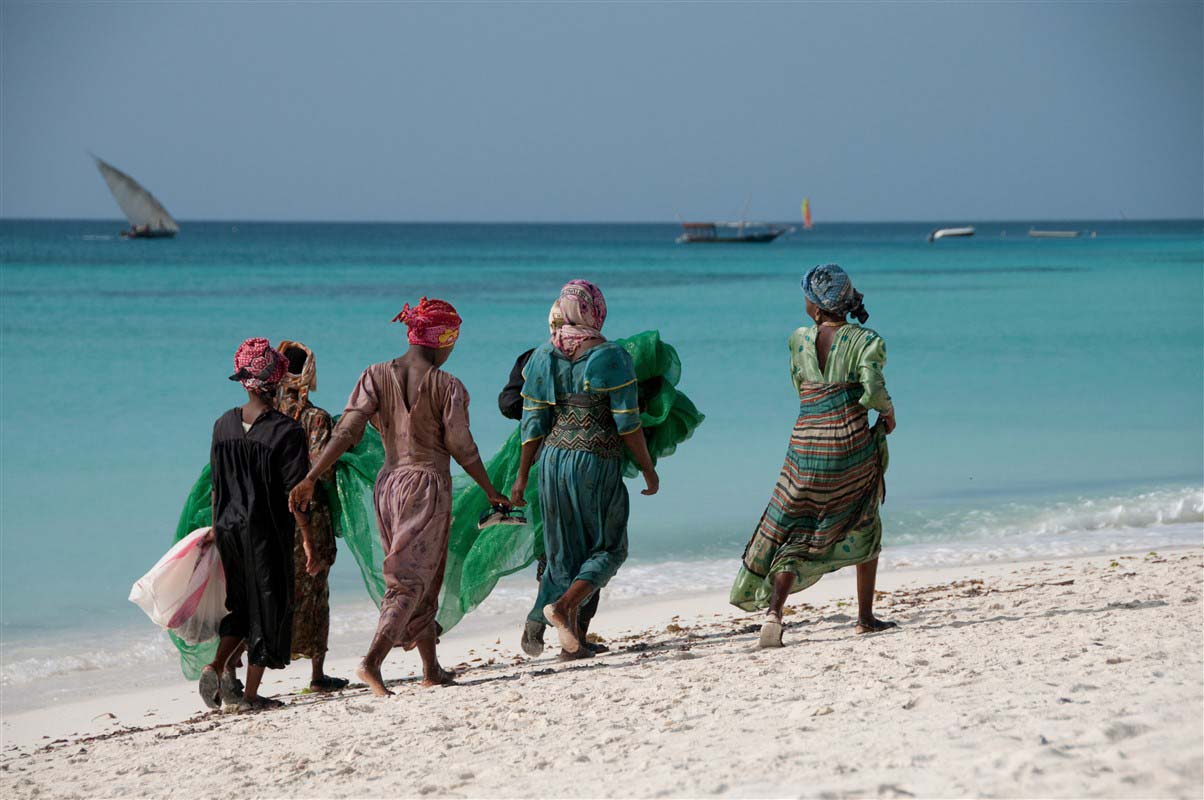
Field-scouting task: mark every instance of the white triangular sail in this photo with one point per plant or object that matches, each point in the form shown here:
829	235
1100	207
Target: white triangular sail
140	206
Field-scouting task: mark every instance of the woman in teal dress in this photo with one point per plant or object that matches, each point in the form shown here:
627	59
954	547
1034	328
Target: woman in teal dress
580	409
823	514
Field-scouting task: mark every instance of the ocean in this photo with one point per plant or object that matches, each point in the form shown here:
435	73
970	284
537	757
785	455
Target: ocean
1050	393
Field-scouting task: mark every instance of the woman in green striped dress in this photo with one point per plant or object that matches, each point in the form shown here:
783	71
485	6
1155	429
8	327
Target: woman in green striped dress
823	514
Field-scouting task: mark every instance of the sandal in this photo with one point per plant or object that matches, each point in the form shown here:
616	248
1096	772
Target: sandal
210	688
328	684
875	626
532	641
258	703
230	689
568	637
771	632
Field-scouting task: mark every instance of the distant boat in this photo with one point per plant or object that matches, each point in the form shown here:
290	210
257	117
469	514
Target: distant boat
946	233
806	214
1036	234
718	233
148	218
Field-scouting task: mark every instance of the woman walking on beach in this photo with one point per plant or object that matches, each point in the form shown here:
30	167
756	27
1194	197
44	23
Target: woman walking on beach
257	456
311	593
422	415
823	514
581	404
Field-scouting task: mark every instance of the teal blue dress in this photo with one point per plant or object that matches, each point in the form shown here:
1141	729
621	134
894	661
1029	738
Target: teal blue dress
579	409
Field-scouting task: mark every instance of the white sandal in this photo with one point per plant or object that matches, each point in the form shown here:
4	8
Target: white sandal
568	640
771	632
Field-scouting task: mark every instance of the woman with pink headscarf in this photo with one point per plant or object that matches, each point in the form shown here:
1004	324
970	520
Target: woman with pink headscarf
258	454
580	410
422	415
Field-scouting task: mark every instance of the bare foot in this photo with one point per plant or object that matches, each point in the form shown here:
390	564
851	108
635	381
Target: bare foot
568	637
874	625
584	652
443	677
372	677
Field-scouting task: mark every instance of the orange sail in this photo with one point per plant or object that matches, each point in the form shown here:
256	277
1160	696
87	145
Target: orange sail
806	214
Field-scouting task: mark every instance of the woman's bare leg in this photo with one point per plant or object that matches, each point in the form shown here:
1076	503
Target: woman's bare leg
867	579
369	669
432	673
254	676
771	628
783	582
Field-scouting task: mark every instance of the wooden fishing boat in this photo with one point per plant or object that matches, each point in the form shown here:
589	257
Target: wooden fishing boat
147	216
728	233
1036	234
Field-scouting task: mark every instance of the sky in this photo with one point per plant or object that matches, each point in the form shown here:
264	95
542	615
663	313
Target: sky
605	111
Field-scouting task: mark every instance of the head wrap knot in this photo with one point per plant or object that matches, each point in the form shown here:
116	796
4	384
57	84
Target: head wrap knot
295	387
577	317
257	366
431	323
828	286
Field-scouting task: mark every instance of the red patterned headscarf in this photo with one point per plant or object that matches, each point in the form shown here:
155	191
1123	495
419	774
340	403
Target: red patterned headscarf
432	323
577	317
257	366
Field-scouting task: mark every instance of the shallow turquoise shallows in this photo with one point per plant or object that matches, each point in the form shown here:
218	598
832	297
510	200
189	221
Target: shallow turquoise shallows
1049	392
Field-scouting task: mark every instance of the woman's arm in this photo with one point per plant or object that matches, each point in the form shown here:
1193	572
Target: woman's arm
361	405
526	459
637	445
303	493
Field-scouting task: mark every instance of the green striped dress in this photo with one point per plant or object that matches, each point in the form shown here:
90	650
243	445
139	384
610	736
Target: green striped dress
823	514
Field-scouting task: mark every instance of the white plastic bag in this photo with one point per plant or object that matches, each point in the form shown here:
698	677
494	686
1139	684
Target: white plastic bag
186	591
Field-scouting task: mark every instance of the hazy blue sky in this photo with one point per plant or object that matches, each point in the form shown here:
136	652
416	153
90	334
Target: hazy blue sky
606	111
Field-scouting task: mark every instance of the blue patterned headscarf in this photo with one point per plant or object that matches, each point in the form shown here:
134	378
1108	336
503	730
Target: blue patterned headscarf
829	287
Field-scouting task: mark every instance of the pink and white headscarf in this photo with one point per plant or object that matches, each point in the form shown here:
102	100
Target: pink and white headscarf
258	367
577	317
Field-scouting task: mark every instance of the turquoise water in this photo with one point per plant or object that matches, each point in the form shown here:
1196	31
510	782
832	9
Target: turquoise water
1049	393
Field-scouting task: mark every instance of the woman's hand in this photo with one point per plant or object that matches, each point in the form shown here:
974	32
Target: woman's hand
496	498
888	420
313	565
653	482
301	496
516	493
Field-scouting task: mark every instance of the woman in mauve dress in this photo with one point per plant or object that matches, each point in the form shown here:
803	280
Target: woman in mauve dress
422	415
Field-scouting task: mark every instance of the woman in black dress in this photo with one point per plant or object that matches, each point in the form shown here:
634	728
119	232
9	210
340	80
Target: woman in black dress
257	456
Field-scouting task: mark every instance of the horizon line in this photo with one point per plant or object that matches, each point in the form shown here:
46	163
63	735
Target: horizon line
311	221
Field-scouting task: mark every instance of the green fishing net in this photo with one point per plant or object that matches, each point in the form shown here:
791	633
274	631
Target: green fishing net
476	559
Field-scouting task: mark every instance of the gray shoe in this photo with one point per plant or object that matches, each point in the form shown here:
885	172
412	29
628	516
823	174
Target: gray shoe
533	638
231	689
208	687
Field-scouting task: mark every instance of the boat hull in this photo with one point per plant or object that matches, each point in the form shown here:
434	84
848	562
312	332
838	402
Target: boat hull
1054	234
754	238
148	234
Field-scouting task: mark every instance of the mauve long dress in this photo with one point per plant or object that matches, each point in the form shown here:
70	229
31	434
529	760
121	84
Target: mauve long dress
413	489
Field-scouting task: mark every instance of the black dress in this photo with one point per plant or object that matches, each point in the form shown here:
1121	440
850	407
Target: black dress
253	472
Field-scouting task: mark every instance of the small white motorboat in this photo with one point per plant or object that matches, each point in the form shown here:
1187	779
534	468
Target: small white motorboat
946	233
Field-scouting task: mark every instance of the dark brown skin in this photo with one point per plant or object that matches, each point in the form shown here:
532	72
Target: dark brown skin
867	573
565	609
416	363
256	406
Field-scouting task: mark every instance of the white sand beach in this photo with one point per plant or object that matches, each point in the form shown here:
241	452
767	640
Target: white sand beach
1071	678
